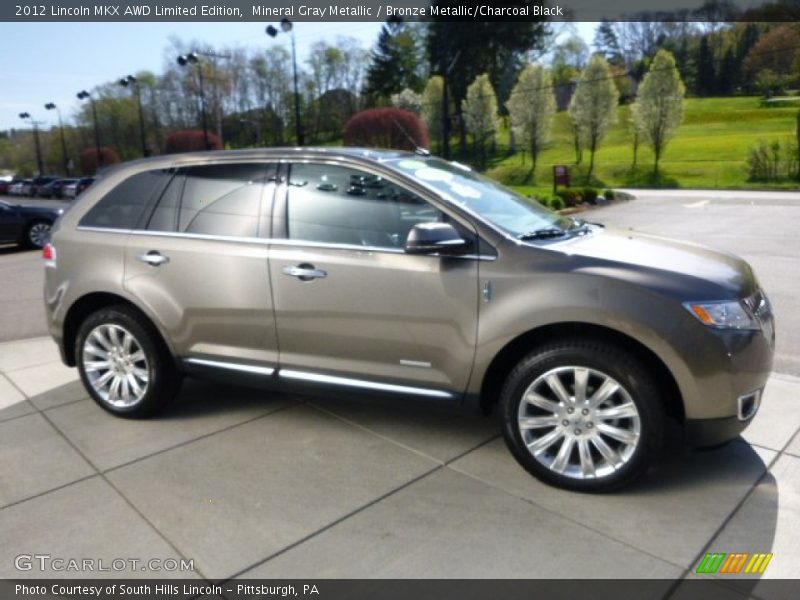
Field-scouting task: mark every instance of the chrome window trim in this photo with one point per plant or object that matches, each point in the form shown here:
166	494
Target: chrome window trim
361	383
176	234
272	242
330	246
103	229
231	366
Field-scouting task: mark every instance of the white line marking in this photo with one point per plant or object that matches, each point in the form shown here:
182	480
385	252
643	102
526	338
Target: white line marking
698	204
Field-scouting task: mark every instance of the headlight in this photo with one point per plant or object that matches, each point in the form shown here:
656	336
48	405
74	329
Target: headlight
724	315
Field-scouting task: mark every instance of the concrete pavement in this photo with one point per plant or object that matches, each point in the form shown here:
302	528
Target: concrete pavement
252	484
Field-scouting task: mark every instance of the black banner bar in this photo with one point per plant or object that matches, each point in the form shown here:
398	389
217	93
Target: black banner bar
710	588
420	10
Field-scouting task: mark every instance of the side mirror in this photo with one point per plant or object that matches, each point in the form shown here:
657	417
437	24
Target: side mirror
434	238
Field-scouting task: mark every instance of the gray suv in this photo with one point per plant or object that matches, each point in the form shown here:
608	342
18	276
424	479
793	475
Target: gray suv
384	272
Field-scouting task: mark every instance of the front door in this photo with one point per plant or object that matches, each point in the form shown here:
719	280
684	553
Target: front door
199	264
351	306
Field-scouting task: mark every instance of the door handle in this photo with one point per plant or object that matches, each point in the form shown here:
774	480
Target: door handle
153	258
304	272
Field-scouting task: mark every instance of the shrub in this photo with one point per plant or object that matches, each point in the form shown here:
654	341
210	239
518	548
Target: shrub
590	195
386	128
89	159
556	203
191	140
609	195
571	196
773	161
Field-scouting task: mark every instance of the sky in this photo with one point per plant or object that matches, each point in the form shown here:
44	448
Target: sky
51	62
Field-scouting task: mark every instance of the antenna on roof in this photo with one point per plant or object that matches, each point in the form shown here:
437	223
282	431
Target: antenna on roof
417	149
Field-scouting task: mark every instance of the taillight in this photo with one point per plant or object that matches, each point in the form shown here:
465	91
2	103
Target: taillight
49	252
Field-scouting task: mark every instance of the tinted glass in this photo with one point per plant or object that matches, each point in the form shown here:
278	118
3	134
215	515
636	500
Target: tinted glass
122	207
499	205
165	216
338	205
222	200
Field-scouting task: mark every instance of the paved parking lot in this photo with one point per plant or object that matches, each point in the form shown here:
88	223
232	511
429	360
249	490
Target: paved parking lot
249	484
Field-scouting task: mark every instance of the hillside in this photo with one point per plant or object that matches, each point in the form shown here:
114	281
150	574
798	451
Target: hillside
709	149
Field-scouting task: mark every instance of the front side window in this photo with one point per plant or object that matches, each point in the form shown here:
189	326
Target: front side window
339	205
123	206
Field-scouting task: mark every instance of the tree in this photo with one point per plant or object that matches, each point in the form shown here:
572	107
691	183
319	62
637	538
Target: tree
775	51
89	159
531	106
637	134
409	100
594	105
706	75
659	107
797	144
480	114
432	108
463	50
728	75
387	127
606	43
394	61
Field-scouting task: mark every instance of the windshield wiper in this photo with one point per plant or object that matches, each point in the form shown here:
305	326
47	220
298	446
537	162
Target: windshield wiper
576	224
542	234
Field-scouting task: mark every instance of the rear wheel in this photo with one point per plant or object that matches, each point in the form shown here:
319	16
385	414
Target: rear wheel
582	415
123	363
37	234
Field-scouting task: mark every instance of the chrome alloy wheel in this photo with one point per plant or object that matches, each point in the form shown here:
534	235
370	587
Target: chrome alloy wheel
115	365
579	422
39	234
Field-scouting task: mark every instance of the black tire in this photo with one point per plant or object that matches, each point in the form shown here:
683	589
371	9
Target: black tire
598	356
29	228
163	377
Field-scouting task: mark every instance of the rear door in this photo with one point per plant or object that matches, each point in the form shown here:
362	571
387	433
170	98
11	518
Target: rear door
351	306
200	264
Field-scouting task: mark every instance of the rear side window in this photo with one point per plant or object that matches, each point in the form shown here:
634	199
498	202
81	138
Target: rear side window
123	206
165	216
222	200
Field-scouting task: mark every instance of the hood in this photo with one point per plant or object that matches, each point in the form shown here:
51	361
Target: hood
687	269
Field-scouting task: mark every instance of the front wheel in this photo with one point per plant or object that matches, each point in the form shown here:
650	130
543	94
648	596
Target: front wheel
582	415
123	364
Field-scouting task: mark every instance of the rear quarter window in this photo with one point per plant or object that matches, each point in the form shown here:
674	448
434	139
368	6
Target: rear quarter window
123	206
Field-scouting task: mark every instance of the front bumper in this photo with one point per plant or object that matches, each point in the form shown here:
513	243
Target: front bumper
706	433
702	433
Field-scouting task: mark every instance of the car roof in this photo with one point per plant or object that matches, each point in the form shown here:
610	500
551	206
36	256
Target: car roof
284	153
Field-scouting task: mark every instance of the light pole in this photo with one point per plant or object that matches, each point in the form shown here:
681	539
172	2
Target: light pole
192	58
130	80
64	157
83	95
286	27
35	124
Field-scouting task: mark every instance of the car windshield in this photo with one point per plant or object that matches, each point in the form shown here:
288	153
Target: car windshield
504	208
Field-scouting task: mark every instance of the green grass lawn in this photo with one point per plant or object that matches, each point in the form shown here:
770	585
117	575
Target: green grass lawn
709	149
